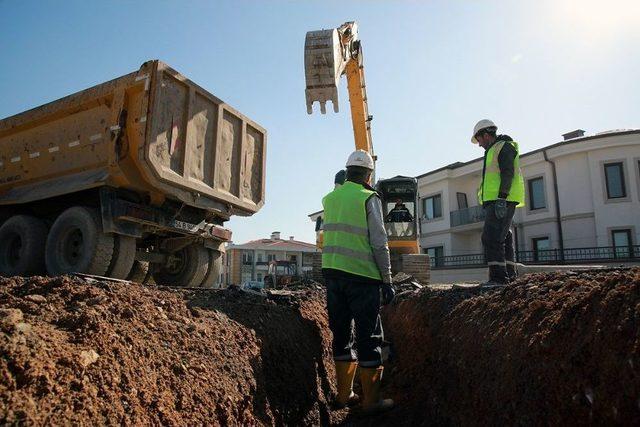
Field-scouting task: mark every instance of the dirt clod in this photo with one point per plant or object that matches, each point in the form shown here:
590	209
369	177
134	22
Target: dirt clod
35	298
87	357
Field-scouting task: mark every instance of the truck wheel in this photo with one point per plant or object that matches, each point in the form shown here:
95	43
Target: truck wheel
186	267
139	272
76	243
212	278
22	250
124	252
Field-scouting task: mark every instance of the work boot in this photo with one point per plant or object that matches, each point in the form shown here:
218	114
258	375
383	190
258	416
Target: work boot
497	276
492	284
512	271
372	402
345	373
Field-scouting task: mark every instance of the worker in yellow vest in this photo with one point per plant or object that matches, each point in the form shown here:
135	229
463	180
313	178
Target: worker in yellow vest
501	192
357	272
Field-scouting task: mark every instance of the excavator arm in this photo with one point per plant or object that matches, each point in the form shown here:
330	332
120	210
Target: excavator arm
328	54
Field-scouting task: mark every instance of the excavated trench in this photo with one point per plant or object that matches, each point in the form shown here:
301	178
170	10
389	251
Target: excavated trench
553	348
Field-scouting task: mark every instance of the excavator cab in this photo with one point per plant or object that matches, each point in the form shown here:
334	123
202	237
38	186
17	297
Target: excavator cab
399	207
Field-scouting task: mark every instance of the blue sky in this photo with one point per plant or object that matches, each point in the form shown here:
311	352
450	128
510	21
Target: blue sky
433	68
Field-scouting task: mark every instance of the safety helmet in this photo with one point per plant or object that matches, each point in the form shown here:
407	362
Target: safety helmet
360	158
482	124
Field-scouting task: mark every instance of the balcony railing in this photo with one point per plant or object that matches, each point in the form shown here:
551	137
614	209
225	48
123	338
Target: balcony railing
547	256
467	216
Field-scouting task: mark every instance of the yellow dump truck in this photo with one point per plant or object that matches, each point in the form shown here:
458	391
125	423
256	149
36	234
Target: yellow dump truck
144	169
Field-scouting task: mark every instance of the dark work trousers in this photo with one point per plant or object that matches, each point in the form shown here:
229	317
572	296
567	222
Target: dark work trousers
358	303
497	240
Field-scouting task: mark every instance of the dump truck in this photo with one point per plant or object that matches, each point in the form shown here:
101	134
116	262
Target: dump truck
142	169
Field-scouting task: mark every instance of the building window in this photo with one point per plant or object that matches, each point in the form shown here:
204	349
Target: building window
614	177
259	277
462	200
247	257
436	255
433	206
621	243
271	257
542	249
536	194
259	257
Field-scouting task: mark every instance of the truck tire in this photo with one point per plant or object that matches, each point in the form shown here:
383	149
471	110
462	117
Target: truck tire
139	272
212	278
22	240
187	267
124	253
76	243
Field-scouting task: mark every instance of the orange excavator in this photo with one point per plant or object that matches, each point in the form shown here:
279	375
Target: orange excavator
329	54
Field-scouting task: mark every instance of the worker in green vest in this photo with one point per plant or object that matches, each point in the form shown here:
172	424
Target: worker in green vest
501	192
357	272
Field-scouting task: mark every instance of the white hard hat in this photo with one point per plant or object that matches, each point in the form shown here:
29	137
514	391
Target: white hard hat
360	158
482	124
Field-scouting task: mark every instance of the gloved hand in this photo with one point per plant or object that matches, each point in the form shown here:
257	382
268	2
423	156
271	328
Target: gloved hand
500	208
388	293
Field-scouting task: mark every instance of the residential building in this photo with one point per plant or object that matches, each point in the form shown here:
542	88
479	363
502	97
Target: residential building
583	192
250	261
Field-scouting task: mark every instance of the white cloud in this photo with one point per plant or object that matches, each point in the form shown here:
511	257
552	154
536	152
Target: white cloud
516	58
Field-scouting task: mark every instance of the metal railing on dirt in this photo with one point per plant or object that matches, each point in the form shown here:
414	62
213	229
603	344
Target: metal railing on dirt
547	256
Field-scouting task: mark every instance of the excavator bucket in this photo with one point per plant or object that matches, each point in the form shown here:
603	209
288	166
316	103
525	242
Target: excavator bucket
324	63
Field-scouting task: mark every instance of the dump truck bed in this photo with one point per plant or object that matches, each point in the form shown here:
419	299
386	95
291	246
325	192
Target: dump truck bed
152	131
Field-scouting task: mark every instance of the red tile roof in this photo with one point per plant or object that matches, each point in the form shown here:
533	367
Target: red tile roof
276	245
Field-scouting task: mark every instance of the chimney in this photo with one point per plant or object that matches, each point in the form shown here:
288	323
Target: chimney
573	134
290	237
275	235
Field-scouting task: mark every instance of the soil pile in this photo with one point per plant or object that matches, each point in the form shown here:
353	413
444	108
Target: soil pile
76	352
550	349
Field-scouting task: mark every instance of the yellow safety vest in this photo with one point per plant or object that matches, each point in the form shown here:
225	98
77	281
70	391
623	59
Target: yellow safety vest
346	245
490	185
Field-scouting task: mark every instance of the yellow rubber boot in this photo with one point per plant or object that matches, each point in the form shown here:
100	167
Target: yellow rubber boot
372	402
345	373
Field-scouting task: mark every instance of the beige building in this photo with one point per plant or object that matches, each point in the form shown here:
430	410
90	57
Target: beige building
582	204
249	262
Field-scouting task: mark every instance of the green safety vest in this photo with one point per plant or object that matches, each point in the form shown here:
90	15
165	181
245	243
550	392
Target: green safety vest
490	185
346	244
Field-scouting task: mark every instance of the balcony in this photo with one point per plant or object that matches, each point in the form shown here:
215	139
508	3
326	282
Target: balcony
466	216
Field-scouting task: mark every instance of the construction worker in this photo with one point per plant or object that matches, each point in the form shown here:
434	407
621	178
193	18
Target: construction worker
501	192
338	180
357	272
399	213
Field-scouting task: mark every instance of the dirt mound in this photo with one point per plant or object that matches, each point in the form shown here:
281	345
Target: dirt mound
111	353
550	349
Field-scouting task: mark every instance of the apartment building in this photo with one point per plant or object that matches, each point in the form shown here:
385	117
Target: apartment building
582	203
249	262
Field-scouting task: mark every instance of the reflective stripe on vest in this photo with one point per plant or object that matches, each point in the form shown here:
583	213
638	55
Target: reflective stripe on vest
490	185
346	244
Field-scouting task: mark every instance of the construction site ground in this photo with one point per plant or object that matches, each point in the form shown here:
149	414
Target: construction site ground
552	348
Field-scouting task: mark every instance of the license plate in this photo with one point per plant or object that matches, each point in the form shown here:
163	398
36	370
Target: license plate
187	226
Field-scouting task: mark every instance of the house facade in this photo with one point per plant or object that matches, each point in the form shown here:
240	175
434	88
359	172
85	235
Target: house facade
582	202
249	262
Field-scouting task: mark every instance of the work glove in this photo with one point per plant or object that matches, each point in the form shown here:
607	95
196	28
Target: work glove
388	293
500	208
